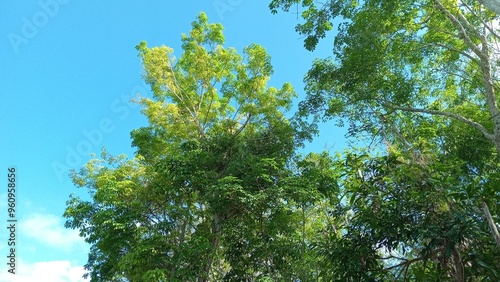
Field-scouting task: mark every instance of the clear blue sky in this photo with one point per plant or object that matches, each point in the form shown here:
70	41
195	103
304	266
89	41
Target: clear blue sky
68	69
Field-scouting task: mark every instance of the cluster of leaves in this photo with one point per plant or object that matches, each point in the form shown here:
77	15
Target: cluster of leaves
411	221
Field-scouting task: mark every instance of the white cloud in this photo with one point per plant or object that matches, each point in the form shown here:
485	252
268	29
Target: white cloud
49	229
49	271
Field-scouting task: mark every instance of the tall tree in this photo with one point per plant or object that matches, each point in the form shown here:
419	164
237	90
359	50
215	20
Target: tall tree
208	194
394	59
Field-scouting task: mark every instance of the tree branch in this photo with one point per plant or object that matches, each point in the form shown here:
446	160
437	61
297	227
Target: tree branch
491	222
458	266
475	60
483	54
458	117
493	5
461	29
490	29
405	263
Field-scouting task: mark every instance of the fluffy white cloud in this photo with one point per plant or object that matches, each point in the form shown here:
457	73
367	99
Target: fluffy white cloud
49	229
49	271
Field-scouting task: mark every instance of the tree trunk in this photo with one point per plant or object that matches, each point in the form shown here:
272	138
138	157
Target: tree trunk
491	222
493	5
215	246
458	267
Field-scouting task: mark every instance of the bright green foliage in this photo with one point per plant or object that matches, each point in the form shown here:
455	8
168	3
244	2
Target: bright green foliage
208	196
434	57
421	78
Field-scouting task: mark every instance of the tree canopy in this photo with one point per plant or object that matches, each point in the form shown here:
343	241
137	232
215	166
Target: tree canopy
419	78
217	191
213	192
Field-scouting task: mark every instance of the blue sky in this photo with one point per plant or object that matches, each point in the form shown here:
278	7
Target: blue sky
68	70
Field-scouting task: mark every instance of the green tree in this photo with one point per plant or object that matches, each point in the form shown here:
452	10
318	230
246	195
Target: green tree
208	195
422	78
409	221
393	59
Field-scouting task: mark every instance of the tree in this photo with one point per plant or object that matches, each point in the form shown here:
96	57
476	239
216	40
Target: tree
408	221
421	77
208	195
393	59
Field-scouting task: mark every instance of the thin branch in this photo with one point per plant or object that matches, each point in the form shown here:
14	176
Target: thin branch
475	60
468	25
490	29
461	30
454	35
406	262
458	117
202	96
243	125
178	88
181	99
208	110
394	257
485	65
